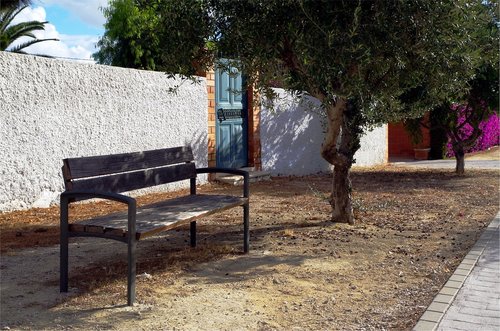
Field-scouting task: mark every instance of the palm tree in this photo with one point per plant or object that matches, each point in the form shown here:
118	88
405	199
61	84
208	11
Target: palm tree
13	3
9	34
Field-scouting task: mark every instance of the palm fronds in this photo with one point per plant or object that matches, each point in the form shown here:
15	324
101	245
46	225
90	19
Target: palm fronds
10	33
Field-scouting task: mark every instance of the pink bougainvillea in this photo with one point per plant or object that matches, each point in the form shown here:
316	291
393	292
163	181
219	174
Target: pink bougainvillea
490	132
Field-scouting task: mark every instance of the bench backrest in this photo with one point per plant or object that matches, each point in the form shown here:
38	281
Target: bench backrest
129	171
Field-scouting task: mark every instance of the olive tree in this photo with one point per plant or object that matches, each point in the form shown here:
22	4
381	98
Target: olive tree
367	62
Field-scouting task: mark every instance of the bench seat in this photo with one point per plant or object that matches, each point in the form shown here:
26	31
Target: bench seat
157	217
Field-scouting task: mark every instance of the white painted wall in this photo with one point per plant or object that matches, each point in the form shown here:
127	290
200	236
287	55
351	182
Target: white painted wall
53	109
292	134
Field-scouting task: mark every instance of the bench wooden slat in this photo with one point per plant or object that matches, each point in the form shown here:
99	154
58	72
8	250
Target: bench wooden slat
137	179
109	164
161	216
93	229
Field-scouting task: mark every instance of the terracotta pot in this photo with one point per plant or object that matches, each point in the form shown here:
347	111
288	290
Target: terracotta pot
421	153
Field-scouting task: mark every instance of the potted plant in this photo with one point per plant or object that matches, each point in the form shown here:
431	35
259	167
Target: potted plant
414	129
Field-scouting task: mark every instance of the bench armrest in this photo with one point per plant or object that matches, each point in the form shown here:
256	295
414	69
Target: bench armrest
67	196
244	173
84	194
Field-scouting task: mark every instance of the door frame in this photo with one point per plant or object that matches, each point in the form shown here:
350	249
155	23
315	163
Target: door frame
245	124
253	132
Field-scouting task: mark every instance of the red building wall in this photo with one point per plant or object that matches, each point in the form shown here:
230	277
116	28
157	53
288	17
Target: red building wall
400	144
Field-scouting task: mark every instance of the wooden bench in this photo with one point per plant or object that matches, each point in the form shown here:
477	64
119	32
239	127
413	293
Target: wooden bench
106	176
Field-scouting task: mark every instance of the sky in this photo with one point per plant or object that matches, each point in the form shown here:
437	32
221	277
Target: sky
77	24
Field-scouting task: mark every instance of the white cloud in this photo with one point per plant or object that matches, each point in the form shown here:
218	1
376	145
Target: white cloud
88	11
68	46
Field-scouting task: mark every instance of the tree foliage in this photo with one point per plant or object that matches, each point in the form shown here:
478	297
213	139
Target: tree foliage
367	61
460	115
155	35
14	3
130	39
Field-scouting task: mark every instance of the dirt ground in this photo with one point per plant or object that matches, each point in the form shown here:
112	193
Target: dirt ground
303	272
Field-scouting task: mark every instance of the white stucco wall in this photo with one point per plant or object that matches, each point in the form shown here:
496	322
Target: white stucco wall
292	134
53	109
374	148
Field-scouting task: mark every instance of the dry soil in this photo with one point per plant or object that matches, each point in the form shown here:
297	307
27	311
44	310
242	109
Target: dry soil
303	272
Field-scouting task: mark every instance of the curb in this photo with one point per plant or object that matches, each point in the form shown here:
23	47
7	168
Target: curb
430	319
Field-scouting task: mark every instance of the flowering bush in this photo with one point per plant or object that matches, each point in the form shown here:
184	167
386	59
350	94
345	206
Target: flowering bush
490	132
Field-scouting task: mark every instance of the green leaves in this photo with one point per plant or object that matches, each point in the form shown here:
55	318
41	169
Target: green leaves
131	37
375	51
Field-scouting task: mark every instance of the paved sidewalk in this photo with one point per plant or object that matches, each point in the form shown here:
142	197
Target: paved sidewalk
470	300
447	164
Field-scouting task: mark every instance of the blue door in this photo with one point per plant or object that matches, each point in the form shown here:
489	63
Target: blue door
231	121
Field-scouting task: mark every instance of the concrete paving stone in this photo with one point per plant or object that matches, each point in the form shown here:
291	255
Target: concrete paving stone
469	261
438	307
479	312
494	305
486	273
478	305
475	319
494	321
453	284
493	283
462	272
484	292
424	326
443	298
490	273
482	287
473	256
491	268
465	267
459	325
457	278
449	291
486	282
486	297
431	316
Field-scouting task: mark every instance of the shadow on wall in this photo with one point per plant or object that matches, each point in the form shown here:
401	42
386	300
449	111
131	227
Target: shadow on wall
291	136
199	145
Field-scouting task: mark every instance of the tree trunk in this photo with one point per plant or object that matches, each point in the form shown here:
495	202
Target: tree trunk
340	144
329	149
341	196
460	157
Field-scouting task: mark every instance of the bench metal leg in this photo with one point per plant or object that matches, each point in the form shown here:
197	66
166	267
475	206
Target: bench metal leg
246	228
131	253
63	248
192	233
132	244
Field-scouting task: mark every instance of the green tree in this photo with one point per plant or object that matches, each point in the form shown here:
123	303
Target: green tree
10	33
134	29
367	62
460	117
130	38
